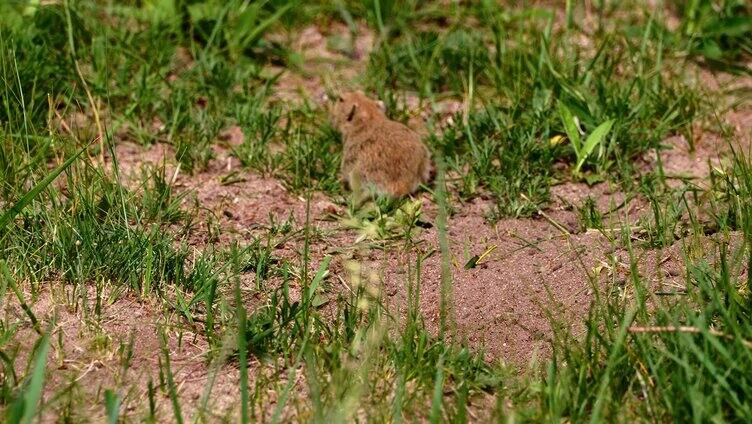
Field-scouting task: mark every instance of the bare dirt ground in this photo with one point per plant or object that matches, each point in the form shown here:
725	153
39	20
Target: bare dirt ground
121	350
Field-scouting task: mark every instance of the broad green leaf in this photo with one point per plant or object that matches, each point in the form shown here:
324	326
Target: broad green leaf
11	213
594	139
570	126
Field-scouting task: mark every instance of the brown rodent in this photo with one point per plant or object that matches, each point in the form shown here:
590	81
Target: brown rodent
378	153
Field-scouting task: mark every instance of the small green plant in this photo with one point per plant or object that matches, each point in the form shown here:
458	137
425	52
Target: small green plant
590	216
572	127
260	130
384	219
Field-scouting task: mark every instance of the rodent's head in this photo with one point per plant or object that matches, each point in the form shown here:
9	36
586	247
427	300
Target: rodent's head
353	109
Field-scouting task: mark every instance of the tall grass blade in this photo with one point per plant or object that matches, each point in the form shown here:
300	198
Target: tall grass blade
613	359
171	387
285	394
445	311
111	406
8	280
25	407
438	392
242	352
318	278
254	35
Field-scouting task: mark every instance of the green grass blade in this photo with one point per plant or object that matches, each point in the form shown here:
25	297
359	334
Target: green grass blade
613	359
241	314
399	396
34	391
111	406
254	35
438	392
25	407
283	396
7	279
11	213
318	278
594	139
171	386
446	311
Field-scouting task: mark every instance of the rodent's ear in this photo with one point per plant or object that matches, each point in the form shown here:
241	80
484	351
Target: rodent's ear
351	115
382	106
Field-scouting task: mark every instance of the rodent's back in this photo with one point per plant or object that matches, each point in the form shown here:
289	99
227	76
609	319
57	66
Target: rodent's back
390	155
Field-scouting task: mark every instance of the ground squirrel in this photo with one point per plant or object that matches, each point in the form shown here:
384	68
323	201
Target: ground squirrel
378	153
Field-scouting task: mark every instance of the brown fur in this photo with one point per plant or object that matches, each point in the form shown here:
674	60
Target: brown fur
377	151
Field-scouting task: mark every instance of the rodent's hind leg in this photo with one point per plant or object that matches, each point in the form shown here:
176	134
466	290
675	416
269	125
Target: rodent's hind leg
366	193
345	175
354	183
